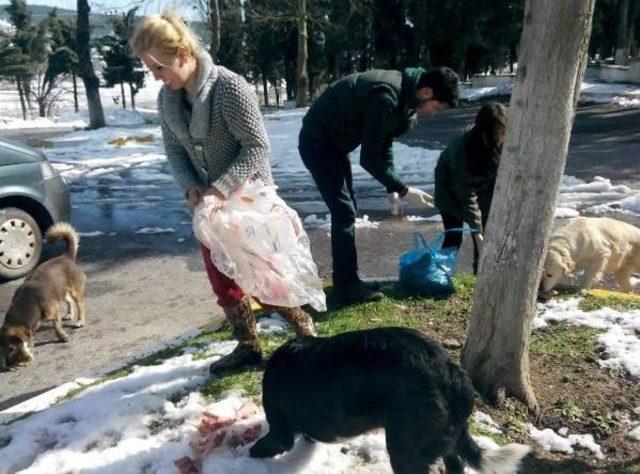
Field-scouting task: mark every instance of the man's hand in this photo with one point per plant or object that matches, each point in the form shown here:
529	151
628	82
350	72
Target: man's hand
395	203
479	238
418	198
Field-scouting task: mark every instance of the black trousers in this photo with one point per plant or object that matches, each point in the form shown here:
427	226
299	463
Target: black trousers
454	239
331	171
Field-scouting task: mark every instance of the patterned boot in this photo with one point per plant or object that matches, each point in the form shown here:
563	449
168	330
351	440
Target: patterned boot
297	317
243	326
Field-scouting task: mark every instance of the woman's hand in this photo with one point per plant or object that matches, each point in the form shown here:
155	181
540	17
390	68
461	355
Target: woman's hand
195	194
214	192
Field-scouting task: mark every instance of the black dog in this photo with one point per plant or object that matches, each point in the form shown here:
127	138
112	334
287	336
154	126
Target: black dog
391	378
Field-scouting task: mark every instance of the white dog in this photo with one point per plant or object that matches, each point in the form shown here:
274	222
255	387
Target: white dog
595	245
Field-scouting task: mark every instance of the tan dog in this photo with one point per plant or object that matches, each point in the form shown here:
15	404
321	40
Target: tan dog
38	299
595	245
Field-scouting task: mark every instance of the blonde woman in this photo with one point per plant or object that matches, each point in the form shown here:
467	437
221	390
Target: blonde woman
215	141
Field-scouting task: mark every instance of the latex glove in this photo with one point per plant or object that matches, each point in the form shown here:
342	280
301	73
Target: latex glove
395	203
418	198
479	238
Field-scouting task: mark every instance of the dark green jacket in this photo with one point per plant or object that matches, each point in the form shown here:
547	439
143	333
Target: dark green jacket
369	109
461	192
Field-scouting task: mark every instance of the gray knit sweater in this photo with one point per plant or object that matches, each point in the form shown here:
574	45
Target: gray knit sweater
222	141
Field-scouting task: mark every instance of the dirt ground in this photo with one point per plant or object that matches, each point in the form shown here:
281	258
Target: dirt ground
571	387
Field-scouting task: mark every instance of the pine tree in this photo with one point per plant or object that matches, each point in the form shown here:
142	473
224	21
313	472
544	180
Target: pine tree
265	43
122	66
63	59
17	55
232	41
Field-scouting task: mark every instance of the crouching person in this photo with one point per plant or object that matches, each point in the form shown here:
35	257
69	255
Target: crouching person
215	141
466	175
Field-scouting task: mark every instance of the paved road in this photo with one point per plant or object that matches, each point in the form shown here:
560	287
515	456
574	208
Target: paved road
605	139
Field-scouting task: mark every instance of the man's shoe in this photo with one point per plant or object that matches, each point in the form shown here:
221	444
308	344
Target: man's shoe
372	285
356	293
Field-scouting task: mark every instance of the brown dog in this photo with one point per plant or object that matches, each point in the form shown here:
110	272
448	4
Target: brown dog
38	299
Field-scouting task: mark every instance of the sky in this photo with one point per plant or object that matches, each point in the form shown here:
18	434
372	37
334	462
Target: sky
102	6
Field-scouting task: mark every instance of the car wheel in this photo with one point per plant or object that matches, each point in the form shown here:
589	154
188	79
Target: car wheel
20	243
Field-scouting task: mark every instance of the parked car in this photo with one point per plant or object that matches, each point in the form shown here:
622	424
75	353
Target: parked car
32	197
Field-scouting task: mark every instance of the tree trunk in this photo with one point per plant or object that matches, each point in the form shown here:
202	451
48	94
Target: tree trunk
21	95
42	107
26	87
265	90
277	89
214	24
634	11
133	97
302	94
513	56
123	95
496	354
86	72
75	92
622	35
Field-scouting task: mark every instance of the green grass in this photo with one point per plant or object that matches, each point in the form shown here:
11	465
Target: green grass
618	303
479	430
397	309
565	340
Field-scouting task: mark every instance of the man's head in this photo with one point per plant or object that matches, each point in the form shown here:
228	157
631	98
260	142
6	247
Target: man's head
436	90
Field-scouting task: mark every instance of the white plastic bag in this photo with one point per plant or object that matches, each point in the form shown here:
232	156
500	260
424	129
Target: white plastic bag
259	242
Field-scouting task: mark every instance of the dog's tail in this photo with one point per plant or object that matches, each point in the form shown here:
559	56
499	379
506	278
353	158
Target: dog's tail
63	230
502	460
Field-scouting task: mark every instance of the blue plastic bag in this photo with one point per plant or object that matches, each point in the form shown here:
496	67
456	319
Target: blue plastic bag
427	269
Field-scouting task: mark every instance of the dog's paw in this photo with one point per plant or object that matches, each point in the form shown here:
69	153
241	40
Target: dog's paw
583	292
17	366
64	338
269	446
78	325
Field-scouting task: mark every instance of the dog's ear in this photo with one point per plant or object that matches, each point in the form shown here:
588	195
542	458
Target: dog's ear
19	333
566	262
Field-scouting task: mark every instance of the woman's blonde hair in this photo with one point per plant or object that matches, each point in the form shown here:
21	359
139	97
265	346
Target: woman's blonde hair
163	33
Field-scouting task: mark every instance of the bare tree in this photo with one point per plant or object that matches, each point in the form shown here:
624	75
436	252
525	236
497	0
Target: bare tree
214	24
85	67
551	65
623	38
209	11
302	94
